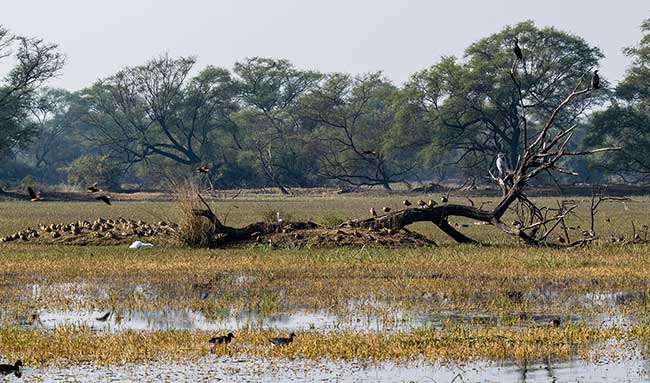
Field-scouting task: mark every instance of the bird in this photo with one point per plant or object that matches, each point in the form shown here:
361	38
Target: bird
278	218
517	50
104	317
373	212
202	169
34	196
93	188
104	198
502	164
556	322
561	239
370	152
595	80
222	339
283	341
407	203
431	204
386	209
6	369
444	199
422	203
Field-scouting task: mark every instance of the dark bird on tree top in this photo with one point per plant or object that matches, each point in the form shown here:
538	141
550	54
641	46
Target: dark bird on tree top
223	339
34	196
104	198
595	81
93	188
517	50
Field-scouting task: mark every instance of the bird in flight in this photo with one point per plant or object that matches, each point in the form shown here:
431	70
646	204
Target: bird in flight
33	195
93	188
104	198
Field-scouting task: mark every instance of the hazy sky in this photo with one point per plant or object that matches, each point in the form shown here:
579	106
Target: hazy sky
398	37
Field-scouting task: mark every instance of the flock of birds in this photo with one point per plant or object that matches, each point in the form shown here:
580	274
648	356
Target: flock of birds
225	339
421	203
92	189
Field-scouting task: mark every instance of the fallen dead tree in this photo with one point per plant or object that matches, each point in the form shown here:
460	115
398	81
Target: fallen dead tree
543	151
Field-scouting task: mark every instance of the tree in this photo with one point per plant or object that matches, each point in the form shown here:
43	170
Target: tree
157	110
270	90
626	122
35	63
471	109
353	115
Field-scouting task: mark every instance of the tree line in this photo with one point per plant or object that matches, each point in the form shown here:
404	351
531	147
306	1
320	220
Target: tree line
267	123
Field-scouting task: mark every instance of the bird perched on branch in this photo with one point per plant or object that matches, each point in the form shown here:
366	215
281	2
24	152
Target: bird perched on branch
202	169
373	212
33	195
595	80
104	198
444	199
422	203
407	203
223	339
502	165
431	204
386	209
517	50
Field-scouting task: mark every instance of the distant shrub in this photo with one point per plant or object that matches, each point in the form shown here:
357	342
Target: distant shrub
192	230
89	169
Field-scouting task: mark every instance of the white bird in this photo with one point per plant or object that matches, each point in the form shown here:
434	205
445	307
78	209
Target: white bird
278	218
502	164
140	244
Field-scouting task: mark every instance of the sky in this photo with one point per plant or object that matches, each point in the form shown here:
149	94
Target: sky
356	36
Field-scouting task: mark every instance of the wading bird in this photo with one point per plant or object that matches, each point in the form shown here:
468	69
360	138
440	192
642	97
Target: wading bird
223	339
283	341
104	198
34	196
6	369
595	80
517	50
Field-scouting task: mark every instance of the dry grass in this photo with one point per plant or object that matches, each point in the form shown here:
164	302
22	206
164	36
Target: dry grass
193	231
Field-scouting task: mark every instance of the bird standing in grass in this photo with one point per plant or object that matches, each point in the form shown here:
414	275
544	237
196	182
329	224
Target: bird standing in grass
373	212
33	195
104	198
283	341
222	339
517	50
6	369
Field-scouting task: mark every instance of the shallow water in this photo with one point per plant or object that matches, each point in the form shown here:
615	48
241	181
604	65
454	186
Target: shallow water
244	369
